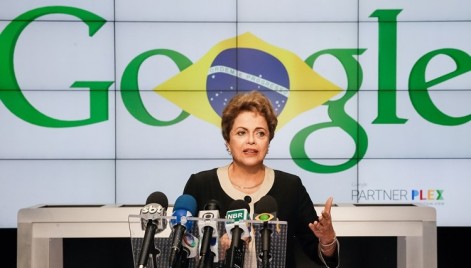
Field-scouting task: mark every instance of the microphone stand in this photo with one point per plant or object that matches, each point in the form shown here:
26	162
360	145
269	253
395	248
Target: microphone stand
235	254
206	260
206	255
153	252
265	234
181	259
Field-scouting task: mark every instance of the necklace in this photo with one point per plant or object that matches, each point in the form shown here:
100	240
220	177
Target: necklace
246	188
243	188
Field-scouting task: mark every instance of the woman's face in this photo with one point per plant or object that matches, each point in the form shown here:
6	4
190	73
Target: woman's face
249	139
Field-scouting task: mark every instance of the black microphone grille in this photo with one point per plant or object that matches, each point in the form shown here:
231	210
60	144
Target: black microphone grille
248	199
212	205
158	198
239	204
266	204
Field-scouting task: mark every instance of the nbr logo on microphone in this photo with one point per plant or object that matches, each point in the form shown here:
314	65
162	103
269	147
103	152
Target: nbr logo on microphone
237	215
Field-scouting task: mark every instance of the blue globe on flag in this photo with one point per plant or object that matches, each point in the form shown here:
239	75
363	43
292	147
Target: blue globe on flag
244	69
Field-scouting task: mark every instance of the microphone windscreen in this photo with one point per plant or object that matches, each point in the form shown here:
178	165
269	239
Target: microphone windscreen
212	205
186	202
239	204
158	198
266	204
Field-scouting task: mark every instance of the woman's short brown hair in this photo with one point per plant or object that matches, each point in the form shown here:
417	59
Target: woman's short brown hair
253	101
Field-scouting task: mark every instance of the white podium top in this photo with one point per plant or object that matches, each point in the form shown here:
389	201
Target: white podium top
42	227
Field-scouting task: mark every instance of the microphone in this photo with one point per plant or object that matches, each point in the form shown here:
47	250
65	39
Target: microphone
237	230
156	205
190	245
208	232
185	206
265	210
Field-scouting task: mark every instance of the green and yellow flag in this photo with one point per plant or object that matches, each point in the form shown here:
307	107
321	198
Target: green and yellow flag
247	63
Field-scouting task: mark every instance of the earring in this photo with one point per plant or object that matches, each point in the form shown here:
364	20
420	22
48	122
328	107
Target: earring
228	151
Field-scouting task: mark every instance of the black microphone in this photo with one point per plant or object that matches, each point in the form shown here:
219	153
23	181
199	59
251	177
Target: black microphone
156	206
185	206
265	211
237	229
208	231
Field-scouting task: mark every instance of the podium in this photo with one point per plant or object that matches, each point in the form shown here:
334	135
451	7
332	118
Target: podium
41	229
253	251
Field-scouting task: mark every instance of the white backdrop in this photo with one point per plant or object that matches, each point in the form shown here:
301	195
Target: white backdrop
122	160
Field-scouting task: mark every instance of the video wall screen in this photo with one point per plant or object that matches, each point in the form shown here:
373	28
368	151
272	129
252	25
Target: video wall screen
105	102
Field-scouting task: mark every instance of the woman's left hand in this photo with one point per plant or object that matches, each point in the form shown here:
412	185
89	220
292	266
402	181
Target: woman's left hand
323	228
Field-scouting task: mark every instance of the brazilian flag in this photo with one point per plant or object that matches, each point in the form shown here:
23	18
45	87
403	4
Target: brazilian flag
245	63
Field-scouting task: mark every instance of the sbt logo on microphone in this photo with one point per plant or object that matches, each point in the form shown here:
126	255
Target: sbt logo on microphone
237	215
